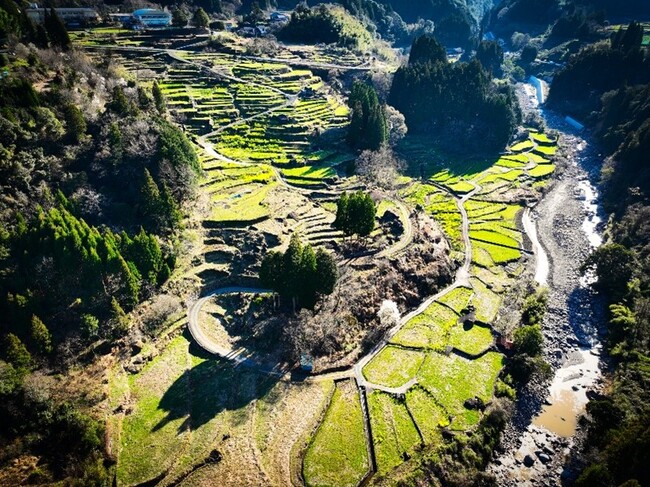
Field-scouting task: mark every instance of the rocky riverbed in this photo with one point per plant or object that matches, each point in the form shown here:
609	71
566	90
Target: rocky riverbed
545	428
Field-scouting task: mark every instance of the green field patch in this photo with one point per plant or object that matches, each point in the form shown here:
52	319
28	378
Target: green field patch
457	299
446	213
460	187
429	329
451	380
219	399
522	146
243	207
393	366
337	454
420	194
537	159
547	150
493	237
499	254
479	209
385	205
542	170
393	431
497	226
505	162
481	257
310	172
485	301
517	157
428	414
542	138
506	216
495	276
471	339
509	176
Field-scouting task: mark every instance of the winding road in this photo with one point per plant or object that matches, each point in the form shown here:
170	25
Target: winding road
461	279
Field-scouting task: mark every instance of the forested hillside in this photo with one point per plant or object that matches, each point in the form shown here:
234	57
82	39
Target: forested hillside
457	103
93	179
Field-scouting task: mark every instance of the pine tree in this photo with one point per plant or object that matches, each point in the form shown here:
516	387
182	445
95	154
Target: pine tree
326	271
150	198
292	261
355	214
271	271
145	253
41	336
16	353
75	123
56	30
119	103
158	97
426	49
169	208
116	144
201	18
299	273
119	318
308	277
341	221
179	18
89	325
368	128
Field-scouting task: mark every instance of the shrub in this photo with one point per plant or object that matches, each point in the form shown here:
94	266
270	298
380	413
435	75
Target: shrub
528	340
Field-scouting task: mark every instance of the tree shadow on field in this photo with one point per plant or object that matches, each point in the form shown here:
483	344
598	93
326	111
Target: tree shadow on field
209	388
424	158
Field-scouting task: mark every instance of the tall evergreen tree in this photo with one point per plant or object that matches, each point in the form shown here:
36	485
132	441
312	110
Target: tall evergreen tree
116	144
355	214
201	18
158	97
56	30
426	49
368	128
40	336
300	273
327	272
16	353
119	103
119	318
75	123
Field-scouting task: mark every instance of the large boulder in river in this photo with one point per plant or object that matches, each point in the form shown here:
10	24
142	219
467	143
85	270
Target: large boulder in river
529	460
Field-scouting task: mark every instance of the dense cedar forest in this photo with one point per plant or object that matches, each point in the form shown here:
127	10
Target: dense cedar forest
458	103
325	23
97	183
299	274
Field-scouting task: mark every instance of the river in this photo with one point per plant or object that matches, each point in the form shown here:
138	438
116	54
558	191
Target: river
564	228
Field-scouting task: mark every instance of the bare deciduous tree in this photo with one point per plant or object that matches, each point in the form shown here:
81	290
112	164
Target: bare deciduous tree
380	167
397	128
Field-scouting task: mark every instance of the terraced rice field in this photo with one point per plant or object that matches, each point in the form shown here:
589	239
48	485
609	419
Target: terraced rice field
343	426
394	433
444	354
